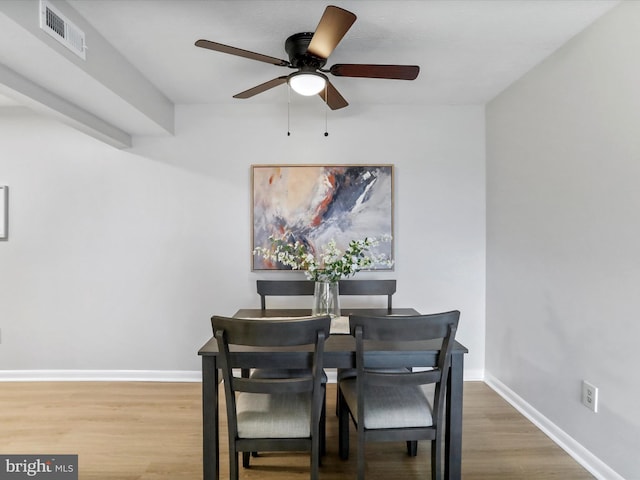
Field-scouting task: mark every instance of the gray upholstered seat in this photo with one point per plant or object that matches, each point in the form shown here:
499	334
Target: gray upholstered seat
412	405
293	373
273	416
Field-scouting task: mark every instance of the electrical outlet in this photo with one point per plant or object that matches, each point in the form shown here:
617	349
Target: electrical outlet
590	396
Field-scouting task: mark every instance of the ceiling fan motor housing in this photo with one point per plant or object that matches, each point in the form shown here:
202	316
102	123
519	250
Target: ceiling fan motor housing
296	47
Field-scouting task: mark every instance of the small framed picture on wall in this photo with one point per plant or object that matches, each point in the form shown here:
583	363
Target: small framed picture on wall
4	212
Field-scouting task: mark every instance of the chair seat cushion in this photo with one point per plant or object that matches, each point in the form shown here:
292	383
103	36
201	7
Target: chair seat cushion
273	416
386	407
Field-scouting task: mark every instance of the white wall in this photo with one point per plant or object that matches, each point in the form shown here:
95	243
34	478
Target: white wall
117	259
563	238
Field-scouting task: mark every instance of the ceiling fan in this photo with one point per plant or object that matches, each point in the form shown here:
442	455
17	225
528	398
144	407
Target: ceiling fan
308	53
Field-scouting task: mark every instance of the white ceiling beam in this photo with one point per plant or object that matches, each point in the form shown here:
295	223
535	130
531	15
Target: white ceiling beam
33	96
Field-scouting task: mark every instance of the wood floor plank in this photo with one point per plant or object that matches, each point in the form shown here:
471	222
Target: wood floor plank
153	431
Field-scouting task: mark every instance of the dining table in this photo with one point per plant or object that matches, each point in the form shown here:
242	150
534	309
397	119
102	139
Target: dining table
339	352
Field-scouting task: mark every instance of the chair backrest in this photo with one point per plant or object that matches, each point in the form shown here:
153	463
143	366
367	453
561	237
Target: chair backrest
282	288
306	287
376	334
278	334
369	287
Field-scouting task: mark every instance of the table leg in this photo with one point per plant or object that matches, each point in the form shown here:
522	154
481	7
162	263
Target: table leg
210	434
453	434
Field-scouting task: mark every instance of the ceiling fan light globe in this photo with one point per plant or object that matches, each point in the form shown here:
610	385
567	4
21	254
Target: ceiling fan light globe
307	83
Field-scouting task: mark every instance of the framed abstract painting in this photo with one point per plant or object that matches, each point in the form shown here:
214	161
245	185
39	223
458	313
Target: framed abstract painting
314	204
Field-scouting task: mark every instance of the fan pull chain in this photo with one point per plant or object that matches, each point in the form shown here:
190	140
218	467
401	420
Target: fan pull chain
288	110
326	110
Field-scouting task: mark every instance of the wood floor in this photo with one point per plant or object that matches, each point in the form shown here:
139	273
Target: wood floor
152	431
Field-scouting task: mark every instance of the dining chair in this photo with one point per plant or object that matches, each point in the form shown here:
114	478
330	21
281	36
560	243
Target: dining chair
282	288
369	288
266	413
398	404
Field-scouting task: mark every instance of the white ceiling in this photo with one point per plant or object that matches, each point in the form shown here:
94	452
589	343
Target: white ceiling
468	50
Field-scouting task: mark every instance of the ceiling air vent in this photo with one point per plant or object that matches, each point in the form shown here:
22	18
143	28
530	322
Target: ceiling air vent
60	28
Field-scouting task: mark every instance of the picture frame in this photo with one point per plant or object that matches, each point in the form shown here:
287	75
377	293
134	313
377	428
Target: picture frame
314	204
4	212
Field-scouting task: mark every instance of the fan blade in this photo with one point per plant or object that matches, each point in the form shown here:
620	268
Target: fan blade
395	72
335	100
334	24
219	47
263	87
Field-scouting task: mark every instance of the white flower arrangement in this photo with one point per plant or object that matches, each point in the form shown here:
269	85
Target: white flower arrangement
331	264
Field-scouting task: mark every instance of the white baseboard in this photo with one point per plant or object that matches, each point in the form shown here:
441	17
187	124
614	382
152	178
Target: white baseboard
584	457
100	376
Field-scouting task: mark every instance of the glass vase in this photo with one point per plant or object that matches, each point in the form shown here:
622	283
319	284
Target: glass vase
326	299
